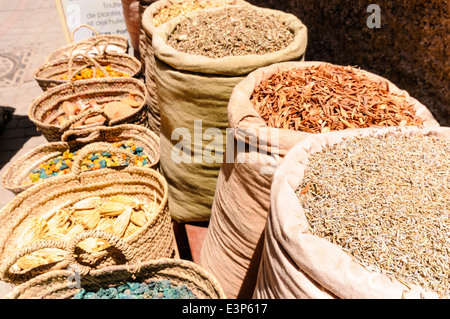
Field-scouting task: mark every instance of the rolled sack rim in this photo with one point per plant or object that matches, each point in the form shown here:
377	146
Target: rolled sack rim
230	65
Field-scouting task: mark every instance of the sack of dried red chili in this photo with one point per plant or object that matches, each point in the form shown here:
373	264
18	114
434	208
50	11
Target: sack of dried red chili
194	89
271	110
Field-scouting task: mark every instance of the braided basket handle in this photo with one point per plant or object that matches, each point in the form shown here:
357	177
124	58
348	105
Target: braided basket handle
42	244
82	26
93	134
100	147
84	114
91	61
113	240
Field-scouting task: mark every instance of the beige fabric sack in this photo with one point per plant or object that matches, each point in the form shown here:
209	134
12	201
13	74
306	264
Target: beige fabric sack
193	94
233	244
146	46
298	264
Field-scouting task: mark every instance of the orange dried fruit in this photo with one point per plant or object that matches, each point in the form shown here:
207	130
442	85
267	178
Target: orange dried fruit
131	100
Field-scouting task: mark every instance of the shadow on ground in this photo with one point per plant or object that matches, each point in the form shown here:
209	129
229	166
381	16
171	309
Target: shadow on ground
15	131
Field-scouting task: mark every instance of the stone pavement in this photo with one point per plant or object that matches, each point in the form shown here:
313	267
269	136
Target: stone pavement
29	31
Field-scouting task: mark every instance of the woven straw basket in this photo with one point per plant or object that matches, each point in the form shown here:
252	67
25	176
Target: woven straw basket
16	177
154	240
48	106
48	73
112	42
56	284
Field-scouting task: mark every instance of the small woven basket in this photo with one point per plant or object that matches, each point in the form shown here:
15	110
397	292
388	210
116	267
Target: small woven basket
112	43
48	106
57	284
154	240
16	178
47	75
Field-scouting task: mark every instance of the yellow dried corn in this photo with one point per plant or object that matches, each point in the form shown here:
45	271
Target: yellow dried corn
121	223
139	218
36	230
88	203
30	261
105	224
127	200
58	220
88	218
91	245
51	255
112	209
75	230
131	229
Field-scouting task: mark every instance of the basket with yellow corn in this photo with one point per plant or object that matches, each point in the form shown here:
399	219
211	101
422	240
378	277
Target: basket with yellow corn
91	219
56	158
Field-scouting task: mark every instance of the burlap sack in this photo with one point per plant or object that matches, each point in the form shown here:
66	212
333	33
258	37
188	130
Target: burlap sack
146	46
131	15
233	244
298	264
193	93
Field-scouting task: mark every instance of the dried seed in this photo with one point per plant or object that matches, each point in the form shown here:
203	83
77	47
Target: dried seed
385	201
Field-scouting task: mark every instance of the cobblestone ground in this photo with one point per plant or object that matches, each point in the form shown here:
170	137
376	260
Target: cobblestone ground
29	31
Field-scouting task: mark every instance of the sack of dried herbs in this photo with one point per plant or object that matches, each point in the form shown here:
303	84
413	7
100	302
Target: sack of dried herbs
233	245
155	15
193	93
360	214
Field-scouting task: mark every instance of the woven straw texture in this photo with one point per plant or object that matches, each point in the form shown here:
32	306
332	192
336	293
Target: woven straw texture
48	73
48	106
112	42
16	177
154	240
54	285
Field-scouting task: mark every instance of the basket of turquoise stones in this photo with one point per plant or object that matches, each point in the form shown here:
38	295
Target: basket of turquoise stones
56	158
164	278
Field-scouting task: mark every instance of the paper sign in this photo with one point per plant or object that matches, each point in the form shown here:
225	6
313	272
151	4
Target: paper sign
104	16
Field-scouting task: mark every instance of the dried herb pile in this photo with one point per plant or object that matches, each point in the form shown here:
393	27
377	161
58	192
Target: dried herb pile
386	202
183	8
324	98
230	31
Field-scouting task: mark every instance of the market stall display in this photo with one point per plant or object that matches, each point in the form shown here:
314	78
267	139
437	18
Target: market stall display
194	90
83	195
234	241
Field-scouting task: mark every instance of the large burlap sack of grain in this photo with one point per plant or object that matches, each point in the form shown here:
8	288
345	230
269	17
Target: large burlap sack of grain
233	244
193	93
299	264
146	46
